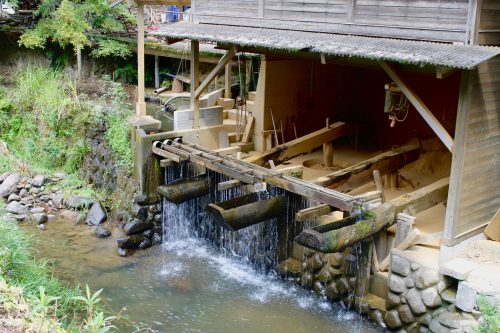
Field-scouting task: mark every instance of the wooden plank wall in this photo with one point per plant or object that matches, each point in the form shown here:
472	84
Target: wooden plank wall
441	20
489	23
474	195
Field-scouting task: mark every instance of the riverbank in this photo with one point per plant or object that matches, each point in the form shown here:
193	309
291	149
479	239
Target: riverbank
33	299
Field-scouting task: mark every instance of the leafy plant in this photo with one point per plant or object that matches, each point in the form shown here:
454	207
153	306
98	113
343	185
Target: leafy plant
69	23
490	310
110	47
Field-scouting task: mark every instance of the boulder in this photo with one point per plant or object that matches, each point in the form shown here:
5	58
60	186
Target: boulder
313	264
136	226
58	200
42	226
37	210
456	320
392	319
449	295
397	284
102	232
4	176
96	215
400	265
71	215
13	197
130	242
426	278
405	314
430	297
39	218
415	302
156	239
9	185
23	193
51	217
140	212
79	202
331	291
145	244
38	181
148	233
15	207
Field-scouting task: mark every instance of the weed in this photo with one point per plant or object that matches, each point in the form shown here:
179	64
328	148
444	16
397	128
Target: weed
490	310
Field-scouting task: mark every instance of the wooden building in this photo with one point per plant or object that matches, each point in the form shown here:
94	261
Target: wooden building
339	50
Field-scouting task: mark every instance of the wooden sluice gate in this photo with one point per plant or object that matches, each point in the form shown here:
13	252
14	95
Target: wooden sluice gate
246	210
183	190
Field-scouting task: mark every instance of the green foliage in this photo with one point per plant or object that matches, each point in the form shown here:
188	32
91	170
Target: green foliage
110	47
47	131
117	125
71	22
47	296
490	310
127	73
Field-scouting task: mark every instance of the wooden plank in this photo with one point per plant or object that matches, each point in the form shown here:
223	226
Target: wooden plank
166	163
218	68
222	186
312	212
422	199
171	156
247	135
361	173
378	183
419	105
284	152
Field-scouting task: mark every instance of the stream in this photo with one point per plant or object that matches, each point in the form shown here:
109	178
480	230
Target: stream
186	286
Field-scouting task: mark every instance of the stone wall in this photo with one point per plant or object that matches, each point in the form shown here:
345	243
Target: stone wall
102	169
420	299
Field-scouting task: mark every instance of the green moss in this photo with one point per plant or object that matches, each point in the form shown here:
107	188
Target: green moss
363	228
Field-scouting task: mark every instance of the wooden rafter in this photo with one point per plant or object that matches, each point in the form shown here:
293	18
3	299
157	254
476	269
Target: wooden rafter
419	105
228	56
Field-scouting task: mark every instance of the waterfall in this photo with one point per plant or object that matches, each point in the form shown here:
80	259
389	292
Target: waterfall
256	245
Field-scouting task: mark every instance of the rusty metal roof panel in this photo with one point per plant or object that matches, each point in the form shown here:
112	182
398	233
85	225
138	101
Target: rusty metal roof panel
401	51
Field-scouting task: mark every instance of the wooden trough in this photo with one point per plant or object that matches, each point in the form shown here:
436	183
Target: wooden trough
244	211
183	190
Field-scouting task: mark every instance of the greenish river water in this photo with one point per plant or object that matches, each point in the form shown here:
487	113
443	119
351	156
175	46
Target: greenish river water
187	286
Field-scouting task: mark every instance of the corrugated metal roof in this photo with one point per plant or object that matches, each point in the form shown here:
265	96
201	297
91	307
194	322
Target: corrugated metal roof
401	51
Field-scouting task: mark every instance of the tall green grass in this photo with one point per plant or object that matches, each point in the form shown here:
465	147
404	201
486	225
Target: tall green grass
47	295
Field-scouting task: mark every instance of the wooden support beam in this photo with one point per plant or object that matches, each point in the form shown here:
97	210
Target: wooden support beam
286	151
166	163
331	238
362	173
312	212
419	105
141	103
157	72
227	81
195	81
218	68
222	186
171	156
247	135
378	184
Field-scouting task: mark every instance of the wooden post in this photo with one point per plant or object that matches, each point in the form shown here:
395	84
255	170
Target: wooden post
141	104
78	62
227	81
404	225
195	81
157	72
328	154
378	184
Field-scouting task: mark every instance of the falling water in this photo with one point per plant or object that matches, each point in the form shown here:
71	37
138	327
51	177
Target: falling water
257	244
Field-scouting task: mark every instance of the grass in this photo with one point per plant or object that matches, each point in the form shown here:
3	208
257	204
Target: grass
490	310
70	309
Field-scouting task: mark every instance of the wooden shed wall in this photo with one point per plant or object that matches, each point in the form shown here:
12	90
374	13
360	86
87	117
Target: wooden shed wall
489	23
441	20
474	195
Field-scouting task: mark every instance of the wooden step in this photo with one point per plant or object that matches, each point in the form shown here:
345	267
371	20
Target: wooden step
245	147
226	103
